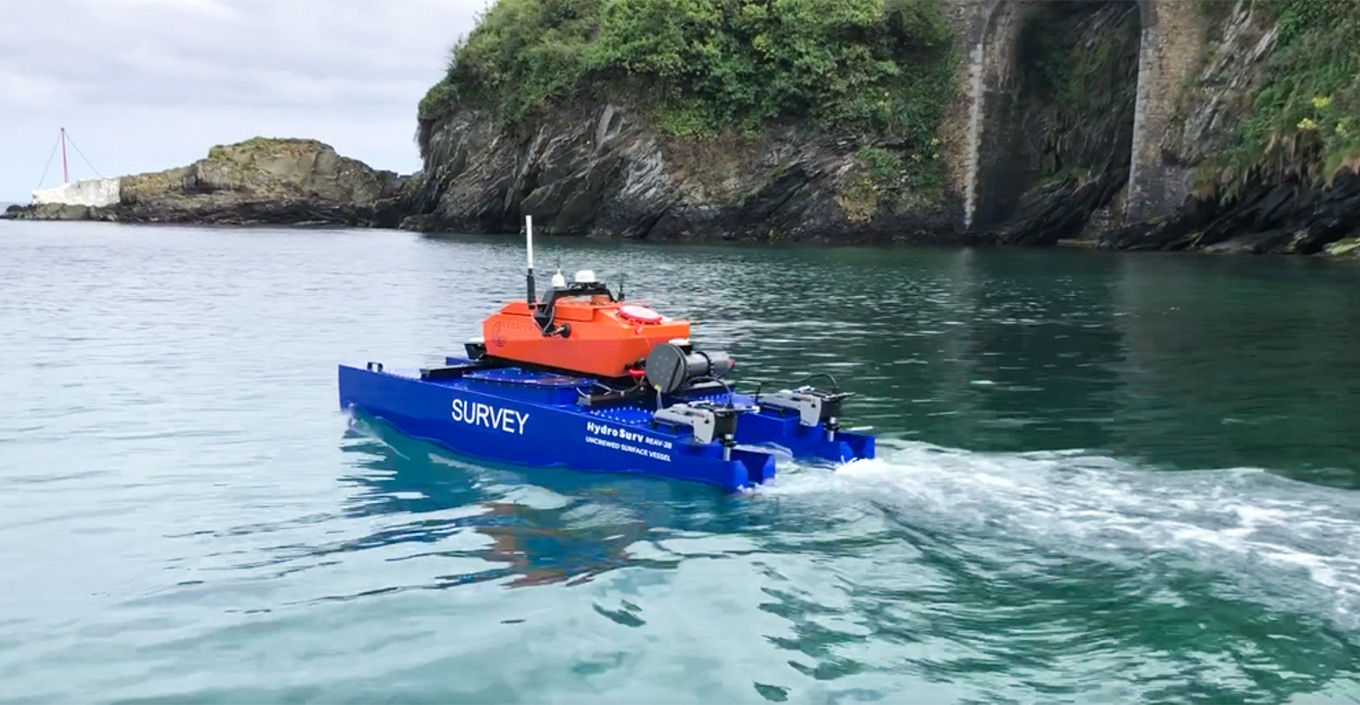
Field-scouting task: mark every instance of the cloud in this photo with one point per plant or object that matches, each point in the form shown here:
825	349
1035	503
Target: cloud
150	84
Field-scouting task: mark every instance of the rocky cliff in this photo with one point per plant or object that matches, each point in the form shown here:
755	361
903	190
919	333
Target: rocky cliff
598	151
1270	126
815	121
580	113
1064	132
604	170
258	181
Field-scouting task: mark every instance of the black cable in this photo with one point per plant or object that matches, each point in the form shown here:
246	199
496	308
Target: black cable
601	385
82	156
43	178
731	395
834	386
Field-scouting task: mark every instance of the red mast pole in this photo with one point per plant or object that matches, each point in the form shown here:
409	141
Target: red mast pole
65	176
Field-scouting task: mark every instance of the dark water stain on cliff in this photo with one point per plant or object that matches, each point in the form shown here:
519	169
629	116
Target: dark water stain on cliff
1061	134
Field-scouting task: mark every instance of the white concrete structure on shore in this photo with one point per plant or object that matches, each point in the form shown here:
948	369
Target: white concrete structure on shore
88	192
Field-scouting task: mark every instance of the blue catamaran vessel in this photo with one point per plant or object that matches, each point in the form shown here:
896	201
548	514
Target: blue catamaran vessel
582	380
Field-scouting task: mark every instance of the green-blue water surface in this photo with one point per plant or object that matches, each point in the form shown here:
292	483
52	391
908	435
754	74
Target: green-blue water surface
1102	478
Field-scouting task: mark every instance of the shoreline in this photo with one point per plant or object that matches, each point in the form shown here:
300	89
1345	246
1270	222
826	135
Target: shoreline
304	183
1350	255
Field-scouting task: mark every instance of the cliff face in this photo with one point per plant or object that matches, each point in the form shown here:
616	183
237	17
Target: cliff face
603	170
595	159
1265	125
874	158
1065	130
809	121
1250	120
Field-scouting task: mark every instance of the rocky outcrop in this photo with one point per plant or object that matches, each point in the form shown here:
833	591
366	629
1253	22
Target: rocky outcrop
1283	218
258	181
601	169
1292	213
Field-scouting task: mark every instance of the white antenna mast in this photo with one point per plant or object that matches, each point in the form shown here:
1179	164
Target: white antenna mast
529	245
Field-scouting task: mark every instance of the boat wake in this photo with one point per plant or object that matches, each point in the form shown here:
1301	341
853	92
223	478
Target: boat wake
1273	539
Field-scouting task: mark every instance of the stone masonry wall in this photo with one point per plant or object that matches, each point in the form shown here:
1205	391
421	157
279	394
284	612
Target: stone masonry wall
1172	43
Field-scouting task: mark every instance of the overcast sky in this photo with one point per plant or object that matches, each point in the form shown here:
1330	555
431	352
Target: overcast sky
144	85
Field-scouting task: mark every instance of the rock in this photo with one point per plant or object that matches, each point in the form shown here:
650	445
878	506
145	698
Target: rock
258	181
1349	247
1275	214
1059	212
1276	218
603	170
1255	243
60	211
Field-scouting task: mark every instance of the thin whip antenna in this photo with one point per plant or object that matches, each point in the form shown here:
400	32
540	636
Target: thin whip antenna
529	252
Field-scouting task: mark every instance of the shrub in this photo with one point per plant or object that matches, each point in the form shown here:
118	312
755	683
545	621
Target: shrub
711	65
1304	118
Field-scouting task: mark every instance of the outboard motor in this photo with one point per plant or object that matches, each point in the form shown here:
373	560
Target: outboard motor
672	365
811	405
707	421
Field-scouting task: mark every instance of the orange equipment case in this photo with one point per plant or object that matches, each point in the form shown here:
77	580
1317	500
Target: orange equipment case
605	337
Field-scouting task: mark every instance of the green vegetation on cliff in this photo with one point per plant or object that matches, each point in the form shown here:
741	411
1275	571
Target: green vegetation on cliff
699	67
1305	119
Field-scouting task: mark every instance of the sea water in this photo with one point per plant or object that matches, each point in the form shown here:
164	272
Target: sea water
1101	478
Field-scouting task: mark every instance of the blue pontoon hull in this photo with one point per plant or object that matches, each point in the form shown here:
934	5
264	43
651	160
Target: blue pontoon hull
535	418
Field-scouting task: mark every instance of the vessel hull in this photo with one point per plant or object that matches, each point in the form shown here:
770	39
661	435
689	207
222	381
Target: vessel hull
534	418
